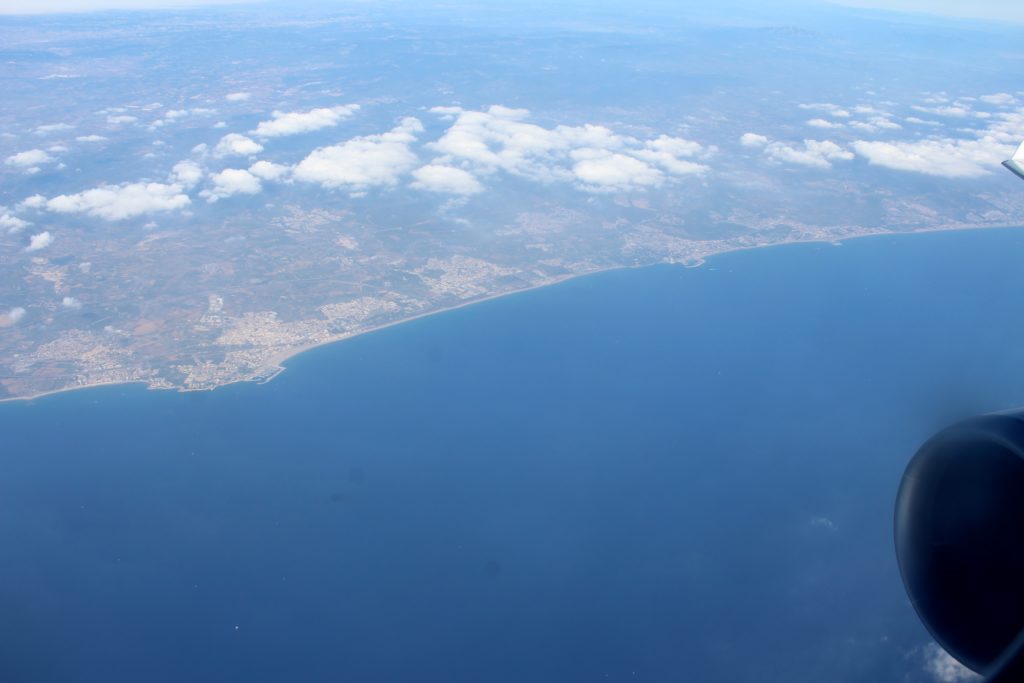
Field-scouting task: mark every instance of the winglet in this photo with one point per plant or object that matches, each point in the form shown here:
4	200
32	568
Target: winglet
1016	163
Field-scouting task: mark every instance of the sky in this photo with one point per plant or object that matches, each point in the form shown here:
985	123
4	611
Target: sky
51	6
1000	10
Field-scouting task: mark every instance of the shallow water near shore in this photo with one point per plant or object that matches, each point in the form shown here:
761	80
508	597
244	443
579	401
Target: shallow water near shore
654	474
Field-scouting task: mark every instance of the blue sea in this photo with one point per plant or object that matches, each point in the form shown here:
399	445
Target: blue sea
660	474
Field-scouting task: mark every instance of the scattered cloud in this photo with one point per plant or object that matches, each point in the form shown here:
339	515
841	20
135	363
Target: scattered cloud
29	158
12	316
944	668
949	157
441	178
237	96
231	181
814	153
294	123
955	110
121	119
999	98
753	140
921	122
90	138
118	202
187	174
235	144
875	124
833	109
52	128
72	303
39	241
600	170
824	123
11	223
363	162
669	152
593	157
36	201
269	171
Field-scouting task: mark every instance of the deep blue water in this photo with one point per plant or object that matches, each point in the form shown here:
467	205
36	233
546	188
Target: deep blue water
615	478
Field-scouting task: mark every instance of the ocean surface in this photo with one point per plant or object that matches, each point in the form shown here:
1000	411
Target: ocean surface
663	474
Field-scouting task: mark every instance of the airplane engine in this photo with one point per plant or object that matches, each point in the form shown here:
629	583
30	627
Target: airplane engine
959	531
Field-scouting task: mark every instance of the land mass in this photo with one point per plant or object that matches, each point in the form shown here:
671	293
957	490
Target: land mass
187	199
212	347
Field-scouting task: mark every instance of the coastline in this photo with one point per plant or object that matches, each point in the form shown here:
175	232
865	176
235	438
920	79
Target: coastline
279	360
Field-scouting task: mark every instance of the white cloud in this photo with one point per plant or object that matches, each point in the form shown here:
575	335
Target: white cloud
293	123
823	123
363	162
500	139
944	668
667	152
71	303
187	174
753	140
440	178
10	222
90	138
235	144
875	124
833	109
36	201
269	171
121	119
173	115
1000	98
956	110
52	128
813	153
237	96
118	202
921	122
941	157
885	123
12	316
28	158
39	241
951	157
231	181
599	170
